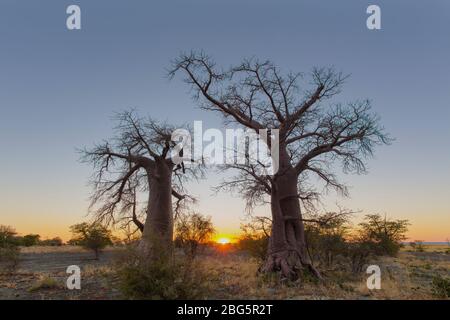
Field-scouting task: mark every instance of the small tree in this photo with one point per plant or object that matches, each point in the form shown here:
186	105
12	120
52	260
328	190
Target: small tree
7	236
9	251
419	246
192	230
30	240
91	236
386	235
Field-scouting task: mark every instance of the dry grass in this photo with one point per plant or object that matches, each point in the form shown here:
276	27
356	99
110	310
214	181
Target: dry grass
405	277
438	248
234	276
60	249
50	249
45	282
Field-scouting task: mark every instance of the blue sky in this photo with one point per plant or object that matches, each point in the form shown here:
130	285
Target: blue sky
59	89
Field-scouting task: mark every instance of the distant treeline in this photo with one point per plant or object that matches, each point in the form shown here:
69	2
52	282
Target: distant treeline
9	237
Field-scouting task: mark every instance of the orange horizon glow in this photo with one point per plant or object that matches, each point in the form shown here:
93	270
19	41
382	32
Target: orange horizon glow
424	230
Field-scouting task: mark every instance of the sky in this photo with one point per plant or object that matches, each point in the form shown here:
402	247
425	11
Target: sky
59	89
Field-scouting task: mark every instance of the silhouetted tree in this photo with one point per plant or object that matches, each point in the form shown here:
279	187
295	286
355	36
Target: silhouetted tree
91	236
191	231
312	137
138	159
30	240
385	234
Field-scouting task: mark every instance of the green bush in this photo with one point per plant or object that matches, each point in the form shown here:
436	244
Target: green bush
91	236
441	287
178	278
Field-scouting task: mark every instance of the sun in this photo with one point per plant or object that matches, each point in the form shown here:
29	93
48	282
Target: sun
223	240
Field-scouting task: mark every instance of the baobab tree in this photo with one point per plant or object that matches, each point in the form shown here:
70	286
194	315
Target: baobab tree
312	138
138	160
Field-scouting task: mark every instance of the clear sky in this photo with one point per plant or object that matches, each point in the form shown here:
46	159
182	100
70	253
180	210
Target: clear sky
59	88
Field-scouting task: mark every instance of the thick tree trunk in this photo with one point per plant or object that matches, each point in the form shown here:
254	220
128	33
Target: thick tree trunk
287	252
157	238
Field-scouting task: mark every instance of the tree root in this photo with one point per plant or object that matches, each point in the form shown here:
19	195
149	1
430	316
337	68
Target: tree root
290	264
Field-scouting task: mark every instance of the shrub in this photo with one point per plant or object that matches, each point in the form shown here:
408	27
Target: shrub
359	253
326	237
179	278
91	236
9	251
191	230
419	247
441	287
45	282
30	240
9	258
385	235
55	242
255	238
255	245
7	236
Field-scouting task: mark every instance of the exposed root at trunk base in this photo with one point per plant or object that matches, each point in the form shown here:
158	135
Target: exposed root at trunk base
289	264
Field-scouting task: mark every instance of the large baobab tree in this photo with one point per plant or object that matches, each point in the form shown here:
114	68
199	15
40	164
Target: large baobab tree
138	161
312	138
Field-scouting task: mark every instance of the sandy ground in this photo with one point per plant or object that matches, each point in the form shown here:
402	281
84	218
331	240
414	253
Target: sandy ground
230	276
38	264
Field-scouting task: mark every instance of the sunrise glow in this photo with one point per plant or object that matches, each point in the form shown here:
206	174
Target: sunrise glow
223	240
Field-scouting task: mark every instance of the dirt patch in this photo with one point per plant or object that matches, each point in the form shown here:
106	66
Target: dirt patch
97	278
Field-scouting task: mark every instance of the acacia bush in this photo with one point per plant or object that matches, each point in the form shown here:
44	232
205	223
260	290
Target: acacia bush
192	230
165	278
326	237
91	236
255	238
255	245
9	250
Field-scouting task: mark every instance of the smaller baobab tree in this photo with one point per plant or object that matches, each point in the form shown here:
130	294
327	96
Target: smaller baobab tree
314	137
137	161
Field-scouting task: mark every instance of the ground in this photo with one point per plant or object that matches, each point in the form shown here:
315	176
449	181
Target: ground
231	275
